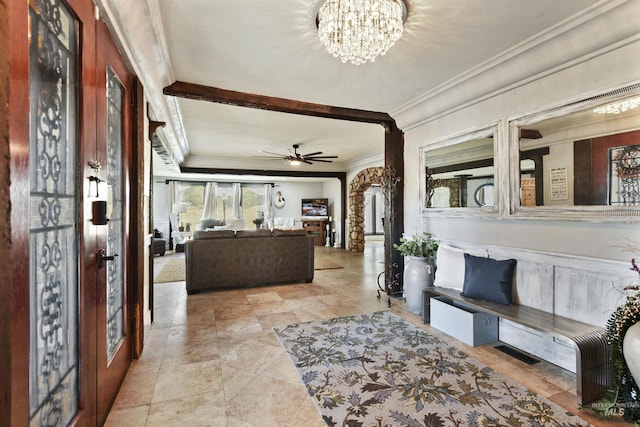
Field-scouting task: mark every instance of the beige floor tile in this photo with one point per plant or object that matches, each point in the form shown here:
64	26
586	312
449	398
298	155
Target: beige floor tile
295	291
179	335
282	369
262	402
233	311
182	381
200	410
250	357
235	381
261	296
306	415
130	417
269	321
136	389
187	352
272	307
234	422
237	327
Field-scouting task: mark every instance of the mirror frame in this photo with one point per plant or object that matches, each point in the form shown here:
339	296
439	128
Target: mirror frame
619	214
500	179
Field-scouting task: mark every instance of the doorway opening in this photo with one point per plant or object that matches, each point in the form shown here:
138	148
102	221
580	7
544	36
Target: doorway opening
368	180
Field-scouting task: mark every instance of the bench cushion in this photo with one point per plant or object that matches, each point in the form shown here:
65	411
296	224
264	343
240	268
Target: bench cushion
451	265
488	279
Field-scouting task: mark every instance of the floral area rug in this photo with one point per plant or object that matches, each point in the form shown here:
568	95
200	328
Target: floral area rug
378	370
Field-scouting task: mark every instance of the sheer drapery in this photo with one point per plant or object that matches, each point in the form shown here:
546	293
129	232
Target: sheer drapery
176	208
209	207
236	201
268	206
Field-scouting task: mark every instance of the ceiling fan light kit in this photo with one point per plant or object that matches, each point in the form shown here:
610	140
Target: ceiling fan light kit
358	31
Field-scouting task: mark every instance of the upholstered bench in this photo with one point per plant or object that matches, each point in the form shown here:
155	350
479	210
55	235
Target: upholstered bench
593	370
533	294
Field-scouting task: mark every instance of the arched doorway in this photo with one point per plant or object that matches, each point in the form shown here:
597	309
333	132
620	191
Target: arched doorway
363	180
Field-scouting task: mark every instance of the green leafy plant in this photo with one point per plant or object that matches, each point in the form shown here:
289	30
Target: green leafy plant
622	398
420	245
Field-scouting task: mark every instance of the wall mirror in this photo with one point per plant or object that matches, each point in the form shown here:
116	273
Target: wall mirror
459	172
582	158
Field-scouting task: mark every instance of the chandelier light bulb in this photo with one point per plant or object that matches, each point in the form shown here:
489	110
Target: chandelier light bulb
357	31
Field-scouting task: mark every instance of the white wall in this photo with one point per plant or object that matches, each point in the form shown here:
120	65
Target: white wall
161	208
584	58
294	192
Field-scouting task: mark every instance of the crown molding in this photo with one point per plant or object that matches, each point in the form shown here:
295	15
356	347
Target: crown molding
137	29
562	46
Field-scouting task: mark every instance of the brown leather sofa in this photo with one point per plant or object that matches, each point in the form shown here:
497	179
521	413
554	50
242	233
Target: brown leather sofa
225	259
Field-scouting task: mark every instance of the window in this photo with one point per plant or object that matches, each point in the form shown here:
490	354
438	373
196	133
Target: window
191	202
192	199
253	201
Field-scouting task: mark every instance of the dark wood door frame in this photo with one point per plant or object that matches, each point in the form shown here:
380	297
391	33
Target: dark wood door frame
393	146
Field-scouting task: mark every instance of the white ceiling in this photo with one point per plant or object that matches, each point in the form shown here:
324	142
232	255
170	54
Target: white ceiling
271	48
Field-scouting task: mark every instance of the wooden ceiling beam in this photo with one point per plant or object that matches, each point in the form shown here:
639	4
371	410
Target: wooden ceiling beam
241	99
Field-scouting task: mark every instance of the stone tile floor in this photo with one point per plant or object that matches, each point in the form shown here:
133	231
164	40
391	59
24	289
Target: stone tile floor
211	359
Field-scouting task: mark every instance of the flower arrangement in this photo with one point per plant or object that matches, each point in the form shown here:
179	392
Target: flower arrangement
420	245
625	389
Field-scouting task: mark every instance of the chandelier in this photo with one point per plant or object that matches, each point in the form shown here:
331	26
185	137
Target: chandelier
359	30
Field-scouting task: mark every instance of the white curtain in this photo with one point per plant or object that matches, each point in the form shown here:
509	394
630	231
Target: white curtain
236	201
209	208
174	202
268	206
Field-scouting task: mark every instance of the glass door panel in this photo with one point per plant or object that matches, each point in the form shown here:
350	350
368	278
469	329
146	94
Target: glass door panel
54	366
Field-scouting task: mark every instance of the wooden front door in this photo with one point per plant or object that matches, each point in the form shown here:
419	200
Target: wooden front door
61	277
113	148
70	159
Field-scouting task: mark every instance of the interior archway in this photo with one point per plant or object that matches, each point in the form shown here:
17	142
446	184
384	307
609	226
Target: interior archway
363	180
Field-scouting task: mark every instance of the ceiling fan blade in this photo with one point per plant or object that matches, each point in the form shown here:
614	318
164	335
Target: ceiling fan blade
282	156
311	154
321	160
322	157
269	157
306	161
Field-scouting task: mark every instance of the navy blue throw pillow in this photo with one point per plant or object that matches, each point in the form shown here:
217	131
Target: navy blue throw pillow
488	279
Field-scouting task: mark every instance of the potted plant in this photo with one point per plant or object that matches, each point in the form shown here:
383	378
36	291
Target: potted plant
623	335
420	245
420	254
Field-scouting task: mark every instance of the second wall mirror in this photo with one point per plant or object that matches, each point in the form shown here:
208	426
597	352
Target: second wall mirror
584	157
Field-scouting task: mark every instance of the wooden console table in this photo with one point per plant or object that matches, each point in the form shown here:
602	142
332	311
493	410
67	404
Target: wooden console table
316	228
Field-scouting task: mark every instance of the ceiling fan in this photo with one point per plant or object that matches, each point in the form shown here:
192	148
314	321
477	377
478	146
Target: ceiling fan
296	158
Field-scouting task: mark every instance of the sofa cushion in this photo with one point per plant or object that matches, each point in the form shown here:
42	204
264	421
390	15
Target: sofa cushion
213	234
211	223
289	232
253	233
488	279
